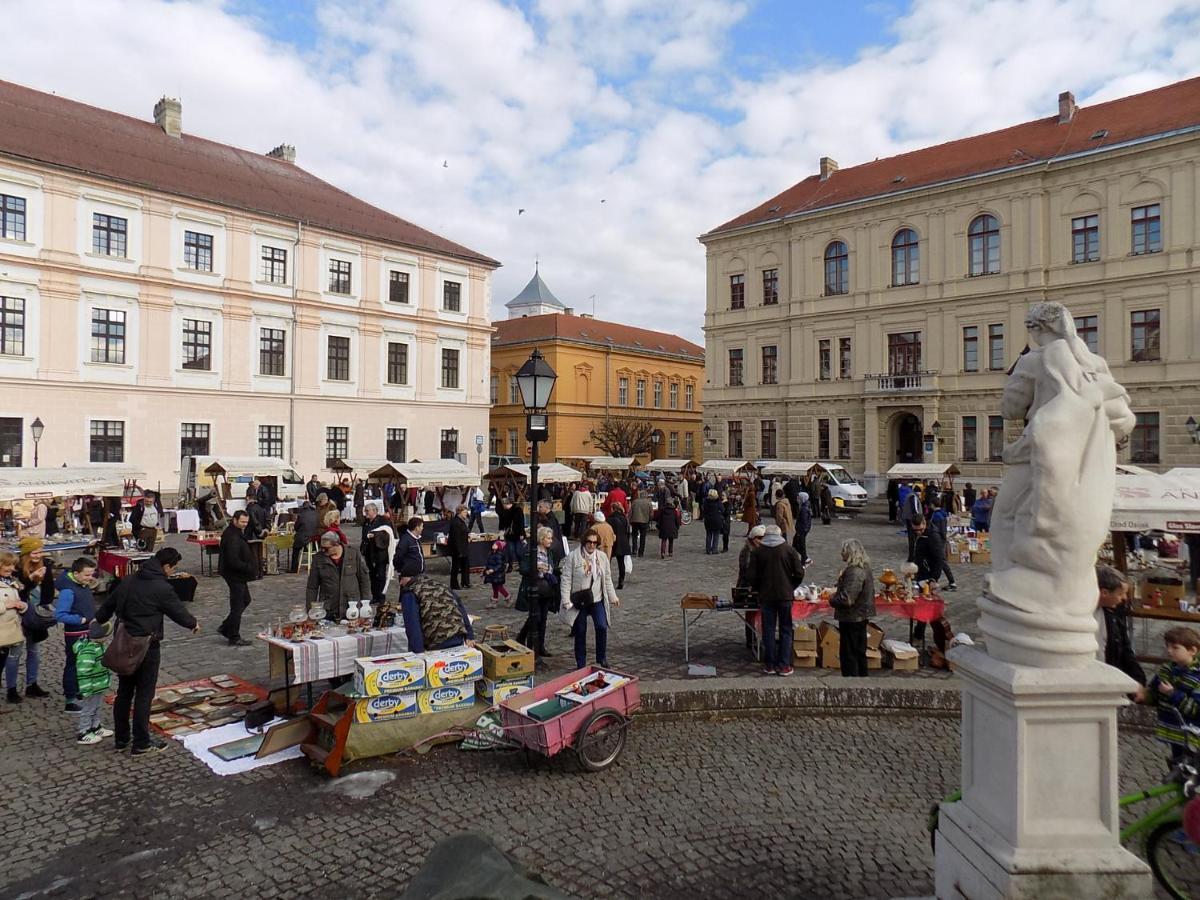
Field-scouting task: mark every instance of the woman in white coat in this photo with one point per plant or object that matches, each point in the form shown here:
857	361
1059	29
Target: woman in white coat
586	569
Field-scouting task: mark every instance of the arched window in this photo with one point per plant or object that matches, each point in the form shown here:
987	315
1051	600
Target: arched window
906	258
837	269
983	241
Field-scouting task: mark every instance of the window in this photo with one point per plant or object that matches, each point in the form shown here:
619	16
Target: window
514	390
494	393
824	360
995	439
735	440
770	364
397	366
737	291
689	444
396	449
970	439
843	438
494	441
12	434
12	217
837	269
197	347
845	359
770	287
1088	329
622	391
337	444
197	251
108	336
108	235
822	439
641	392
689	396
270	441
1085	239
673	444
906	258
337	359
770	447
452	296
107	442
735	368
339	276
983	242
398	288
904	353
449	369
512	442
996	347
271	346
449	442
673	395
1143	443
1146	227
274	265
657	394
971	348
12	326
193	439
1144	335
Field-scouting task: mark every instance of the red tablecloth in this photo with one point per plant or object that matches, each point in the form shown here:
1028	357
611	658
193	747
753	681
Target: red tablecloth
117	562
925	609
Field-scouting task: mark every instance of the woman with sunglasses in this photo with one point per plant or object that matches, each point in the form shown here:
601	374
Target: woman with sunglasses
586	592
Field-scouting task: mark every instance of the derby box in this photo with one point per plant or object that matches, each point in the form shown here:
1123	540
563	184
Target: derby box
498	691
380	675
457	665
386	708
446	698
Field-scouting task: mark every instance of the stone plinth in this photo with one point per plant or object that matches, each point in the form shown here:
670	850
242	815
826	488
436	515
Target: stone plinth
1038	818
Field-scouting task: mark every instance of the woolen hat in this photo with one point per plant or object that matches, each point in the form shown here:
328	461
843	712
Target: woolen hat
29	544
757	531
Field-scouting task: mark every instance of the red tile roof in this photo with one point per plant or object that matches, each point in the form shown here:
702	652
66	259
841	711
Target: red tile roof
579	329
60	132
1155	112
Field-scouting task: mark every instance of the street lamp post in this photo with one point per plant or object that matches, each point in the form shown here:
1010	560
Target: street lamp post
37	428
535	380
655	437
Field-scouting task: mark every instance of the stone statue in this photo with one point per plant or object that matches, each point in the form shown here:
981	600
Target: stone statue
1055	502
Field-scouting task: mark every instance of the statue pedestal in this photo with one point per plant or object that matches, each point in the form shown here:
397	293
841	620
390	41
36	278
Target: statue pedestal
1038	816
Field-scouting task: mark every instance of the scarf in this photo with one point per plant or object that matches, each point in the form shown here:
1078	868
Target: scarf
391	553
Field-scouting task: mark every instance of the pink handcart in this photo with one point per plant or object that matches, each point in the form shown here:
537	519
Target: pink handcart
594	726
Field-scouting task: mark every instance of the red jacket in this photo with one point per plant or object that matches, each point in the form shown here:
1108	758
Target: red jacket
616	495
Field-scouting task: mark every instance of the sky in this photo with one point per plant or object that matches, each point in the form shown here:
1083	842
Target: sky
623	128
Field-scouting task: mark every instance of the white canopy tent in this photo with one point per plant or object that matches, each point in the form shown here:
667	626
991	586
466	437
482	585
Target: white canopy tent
438	473
788	467
604	463
1183	472
1156	503
667	465
922	471
727	467
70	481
548	473
357	466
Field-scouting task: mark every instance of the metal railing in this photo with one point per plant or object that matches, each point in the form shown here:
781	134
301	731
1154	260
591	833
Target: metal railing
900	384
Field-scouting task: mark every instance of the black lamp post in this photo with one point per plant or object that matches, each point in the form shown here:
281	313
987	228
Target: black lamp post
37	428
655	437
535	379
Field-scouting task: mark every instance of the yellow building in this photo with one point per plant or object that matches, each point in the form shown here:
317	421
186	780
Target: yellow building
604	370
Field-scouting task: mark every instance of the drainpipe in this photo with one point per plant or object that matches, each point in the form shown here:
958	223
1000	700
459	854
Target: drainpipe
607	375
292	347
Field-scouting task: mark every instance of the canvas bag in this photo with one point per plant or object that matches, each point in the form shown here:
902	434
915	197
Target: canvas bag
125	653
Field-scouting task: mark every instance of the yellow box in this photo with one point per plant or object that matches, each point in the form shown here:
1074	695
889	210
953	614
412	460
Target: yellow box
386	708
445	699
374	677
454	666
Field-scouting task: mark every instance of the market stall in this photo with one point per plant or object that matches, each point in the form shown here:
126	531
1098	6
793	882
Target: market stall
924	472
513	480
439	475
21	488
728	468
595	465
668	466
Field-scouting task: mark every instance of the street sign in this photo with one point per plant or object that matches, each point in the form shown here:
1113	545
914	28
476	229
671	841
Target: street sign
479	442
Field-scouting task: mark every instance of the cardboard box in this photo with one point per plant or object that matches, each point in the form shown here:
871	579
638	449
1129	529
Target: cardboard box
1161	594
804	637
804	659
874	659
447	698
874	636
901	660
981	557
375	677
458	665
829	641
505	659
386	708
498	691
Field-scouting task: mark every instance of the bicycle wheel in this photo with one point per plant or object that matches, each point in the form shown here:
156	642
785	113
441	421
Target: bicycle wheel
1175	861
601	739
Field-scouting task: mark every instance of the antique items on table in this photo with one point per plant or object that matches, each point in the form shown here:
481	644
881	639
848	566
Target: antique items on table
209	543
192	706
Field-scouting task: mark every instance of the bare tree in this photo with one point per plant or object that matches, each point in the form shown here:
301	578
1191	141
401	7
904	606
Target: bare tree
620	436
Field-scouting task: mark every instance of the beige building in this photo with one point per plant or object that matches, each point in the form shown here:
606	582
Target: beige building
163	294
869	314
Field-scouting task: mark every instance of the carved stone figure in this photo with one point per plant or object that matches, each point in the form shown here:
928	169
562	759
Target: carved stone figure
1055	502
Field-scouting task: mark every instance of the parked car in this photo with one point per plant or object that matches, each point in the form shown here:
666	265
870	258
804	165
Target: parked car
495	462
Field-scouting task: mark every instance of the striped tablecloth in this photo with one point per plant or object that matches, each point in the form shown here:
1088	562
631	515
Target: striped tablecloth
314	660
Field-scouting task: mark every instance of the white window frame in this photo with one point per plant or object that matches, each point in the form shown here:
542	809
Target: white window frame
448	272
29	189
94	297
206	308
266	236
391	334
343	253
111	204
339	328
204	223
392	262
279	317
23	285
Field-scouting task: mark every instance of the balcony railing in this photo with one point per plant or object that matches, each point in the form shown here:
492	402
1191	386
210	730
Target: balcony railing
901	384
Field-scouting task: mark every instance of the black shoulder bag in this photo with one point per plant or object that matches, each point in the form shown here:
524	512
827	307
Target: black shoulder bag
585	599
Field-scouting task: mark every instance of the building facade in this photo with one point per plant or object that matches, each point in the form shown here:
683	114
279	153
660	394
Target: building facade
869	315
166	295
604	369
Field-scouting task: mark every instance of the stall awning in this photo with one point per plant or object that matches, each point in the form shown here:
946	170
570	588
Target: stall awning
667	465
548	473
1189	472
1127	469
99	481
1157	503
788	467
361	466
922	470
247	465
727	467
604	463
428	474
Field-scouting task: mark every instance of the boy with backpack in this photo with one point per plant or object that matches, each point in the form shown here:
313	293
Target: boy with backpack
1175	691
94	680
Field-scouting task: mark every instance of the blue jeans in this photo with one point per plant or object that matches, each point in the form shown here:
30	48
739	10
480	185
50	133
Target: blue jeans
777	653
600	618
14	663
70	681
712	538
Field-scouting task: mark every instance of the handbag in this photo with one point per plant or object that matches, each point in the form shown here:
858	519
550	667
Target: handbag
584	600
125	652
38	619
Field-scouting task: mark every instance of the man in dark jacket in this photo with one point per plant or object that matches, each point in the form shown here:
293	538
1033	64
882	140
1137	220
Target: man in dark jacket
409	560
1114	635
312	489
969	497
304	533
621	544
260	520
237	563
929	553
337	578
803	526
140	602
374	548
893	498
775	571
459	547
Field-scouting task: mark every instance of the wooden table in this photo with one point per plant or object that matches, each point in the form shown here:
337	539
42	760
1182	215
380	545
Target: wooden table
1159	614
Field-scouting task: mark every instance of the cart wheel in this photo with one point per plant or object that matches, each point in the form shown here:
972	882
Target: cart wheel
601	739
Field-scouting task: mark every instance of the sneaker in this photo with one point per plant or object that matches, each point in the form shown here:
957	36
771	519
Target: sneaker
120	746
785	671
73	707
103	732
36	690
154	746
239	642
14	697
89	737
808	561
952	587
767	670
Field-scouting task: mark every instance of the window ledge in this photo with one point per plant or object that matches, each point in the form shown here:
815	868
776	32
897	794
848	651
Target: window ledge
209	273
278	284
905	284
110	256
272	377
183	371
12	357
1141	362
15	242
980	274
108	365
1084	262
340	381
1144	252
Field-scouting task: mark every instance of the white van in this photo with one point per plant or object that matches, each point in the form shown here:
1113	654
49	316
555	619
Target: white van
842	485
196	476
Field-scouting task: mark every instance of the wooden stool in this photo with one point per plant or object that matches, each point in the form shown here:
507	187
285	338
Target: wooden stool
306	558
495	633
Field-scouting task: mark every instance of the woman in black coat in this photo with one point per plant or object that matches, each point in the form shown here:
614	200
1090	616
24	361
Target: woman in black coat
621	546
713	513
669	520
514	533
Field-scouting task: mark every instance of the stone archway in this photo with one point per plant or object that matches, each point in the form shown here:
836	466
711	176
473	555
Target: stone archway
906	438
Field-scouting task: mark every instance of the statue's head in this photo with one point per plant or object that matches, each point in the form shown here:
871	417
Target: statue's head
1047	321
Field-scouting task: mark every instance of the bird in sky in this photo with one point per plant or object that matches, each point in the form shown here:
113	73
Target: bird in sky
445	164
519	211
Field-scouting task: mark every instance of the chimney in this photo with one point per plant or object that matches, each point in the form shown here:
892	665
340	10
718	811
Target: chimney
168	115
286	152
570	311
828	167
1066	107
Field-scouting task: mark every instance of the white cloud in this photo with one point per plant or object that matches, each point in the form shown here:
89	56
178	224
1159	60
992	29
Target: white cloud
579	101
